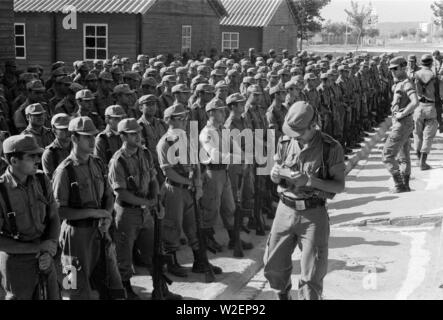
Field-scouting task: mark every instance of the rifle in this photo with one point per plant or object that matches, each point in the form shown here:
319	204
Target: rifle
238	249
258	217
42	286
202	247
159	259
438	103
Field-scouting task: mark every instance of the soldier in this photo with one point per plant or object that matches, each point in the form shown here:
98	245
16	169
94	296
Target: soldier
85	104
36	94
425	116
103	97
98	67
181	94
182	75
108	141
309	169
36	115
152	129
83	71
60	148
276	112
176	193
347	94
123	96
310	90
241	175
233	81
117	75
61	90
397	147
218	195
68	105
166	99
132	176
412	67
91	81
85	203
149	86
205	93
29	222
325	108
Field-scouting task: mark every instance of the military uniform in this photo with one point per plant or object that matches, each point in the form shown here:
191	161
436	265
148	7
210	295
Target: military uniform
35	220
301	217
425	116
44	136
134	223
396	152
82	186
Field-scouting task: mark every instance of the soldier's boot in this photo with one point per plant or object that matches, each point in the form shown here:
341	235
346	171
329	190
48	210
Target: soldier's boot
130	294
199	266
406	178
168	295
285	295
399	186
418	154
175	268
210	240
423	165
245	245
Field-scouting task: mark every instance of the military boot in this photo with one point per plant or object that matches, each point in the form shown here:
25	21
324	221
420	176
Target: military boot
285	295
399	186
406	178
168	295
245	245
418	154
423	165
210	240
199	265
175	268
131	295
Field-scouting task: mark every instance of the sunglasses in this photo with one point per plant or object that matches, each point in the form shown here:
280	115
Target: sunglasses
394	69
180	118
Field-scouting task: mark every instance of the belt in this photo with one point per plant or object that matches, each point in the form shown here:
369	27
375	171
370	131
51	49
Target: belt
424	100
217	167
83	223
127	205
302	204
178	185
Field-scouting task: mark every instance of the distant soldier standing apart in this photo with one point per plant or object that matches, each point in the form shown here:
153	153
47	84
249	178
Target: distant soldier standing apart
309	169
397	147
425	116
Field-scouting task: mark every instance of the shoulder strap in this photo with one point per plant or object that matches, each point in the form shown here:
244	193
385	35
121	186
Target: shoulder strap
55	157
107	146
132	186
75	200
10	215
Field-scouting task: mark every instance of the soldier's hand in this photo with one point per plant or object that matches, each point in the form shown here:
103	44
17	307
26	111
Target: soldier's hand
275	173
44	261
199	193
104	225
48	246
299	179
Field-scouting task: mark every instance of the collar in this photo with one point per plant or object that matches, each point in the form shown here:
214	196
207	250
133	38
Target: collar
76	161
109	132
9	177
30	129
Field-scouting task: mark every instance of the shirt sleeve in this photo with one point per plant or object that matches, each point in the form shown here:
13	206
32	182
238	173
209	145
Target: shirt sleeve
47	161
60	187
210	141
116	176
336	159
99	149
162	152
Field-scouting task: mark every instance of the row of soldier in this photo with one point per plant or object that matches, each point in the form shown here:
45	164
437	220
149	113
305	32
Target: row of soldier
128	120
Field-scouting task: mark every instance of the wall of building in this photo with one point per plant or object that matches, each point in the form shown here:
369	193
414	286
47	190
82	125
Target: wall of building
7	50
249	37
281	32
162	26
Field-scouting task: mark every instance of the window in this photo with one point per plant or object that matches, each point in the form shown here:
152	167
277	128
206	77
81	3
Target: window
95	41
230	40
20	40
186	38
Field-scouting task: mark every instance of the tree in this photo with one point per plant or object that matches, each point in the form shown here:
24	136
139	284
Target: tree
437	9
412	32
361	19
307	17
404	33
373	33
336	28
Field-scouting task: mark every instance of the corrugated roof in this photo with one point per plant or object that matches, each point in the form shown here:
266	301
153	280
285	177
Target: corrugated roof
85	6
249	13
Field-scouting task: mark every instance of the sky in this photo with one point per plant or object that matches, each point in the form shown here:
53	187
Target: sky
387	10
